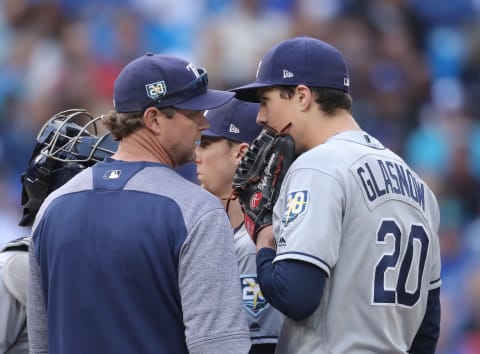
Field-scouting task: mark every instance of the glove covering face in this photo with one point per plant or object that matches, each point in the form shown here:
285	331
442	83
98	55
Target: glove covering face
259	176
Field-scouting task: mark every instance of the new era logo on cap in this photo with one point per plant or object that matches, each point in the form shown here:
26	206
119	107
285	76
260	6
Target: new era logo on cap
233	129
287	73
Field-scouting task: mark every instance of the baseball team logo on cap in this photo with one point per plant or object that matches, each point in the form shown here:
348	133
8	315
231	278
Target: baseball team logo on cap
156	90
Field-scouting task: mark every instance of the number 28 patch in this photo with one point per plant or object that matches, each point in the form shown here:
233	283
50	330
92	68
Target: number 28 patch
296	204
253	298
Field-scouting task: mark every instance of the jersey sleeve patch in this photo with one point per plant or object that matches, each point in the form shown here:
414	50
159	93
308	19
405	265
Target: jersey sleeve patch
252	296
296	205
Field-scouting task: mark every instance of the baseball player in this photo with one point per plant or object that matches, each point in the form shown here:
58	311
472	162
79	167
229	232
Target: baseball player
232	129
352	258
66	145
13	318
128	256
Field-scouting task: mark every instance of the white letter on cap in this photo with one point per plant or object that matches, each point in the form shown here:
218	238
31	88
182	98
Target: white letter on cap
193	69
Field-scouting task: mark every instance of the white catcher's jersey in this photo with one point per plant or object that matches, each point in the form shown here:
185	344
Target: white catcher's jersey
264	321
13	287
356	210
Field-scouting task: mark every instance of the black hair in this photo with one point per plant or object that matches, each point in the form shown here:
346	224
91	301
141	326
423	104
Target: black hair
328	99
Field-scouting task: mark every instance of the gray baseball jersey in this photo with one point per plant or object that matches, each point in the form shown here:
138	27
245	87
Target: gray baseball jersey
13	314
160	276
264	321
356	210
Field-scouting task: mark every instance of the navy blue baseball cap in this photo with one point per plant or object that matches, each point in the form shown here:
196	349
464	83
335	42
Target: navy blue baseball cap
235	121
299	60
164	81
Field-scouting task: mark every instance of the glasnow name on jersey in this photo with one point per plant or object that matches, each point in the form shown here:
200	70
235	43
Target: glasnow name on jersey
385	179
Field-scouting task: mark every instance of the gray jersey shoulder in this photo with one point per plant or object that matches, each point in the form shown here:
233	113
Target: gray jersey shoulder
193	200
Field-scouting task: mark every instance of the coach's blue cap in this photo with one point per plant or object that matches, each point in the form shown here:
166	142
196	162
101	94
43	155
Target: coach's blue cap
164	81
299	60
235	121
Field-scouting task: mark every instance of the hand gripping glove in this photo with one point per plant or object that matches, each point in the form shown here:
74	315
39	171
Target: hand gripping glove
259	176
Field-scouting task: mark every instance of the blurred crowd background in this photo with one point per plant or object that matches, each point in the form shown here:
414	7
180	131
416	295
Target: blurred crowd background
415	75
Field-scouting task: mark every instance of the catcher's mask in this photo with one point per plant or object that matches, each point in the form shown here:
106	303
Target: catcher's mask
66	144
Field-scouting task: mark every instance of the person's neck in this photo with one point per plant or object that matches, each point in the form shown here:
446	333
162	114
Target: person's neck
142	146
328	126
234	211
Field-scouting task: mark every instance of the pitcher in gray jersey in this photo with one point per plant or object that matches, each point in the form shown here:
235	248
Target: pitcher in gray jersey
352	259
232	129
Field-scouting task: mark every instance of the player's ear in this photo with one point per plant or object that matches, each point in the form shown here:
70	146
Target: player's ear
240	151
303	97
151	120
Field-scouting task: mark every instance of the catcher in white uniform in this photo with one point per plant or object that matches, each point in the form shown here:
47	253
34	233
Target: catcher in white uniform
232	129
352	258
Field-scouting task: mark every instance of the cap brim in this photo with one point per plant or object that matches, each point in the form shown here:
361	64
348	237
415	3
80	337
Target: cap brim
210	99
211	133
249	92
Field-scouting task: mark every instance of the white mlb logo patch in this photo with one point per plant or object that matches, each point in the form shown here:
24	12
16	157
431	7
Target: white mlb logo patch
112	174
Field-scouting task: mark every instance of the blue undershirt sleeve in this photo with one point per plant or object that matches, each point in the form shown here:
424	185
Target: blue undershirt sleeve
293	287
426	338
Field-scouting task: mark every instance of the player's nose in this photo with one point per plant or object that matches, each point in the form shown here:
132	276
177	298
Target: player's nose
261	116
198	154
